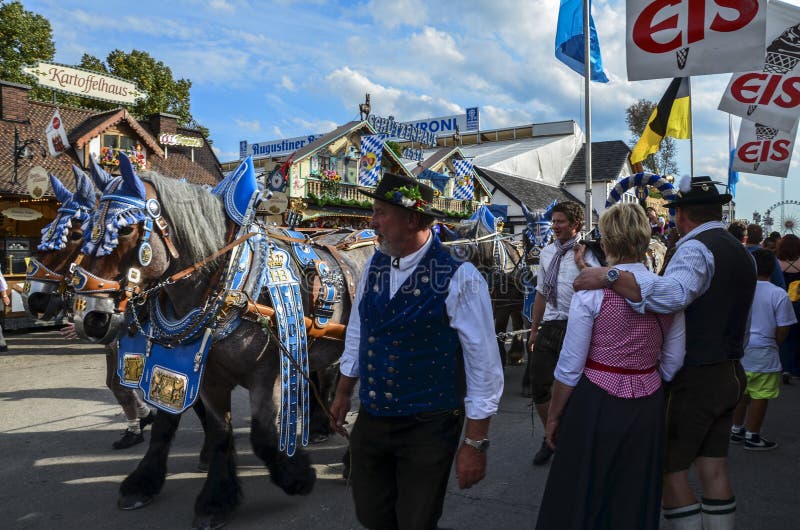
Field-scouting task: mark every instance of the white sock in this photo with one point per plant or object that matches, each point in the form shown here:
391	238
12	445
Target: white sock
749	435
736	428
684	517
142	410
719	514
133	426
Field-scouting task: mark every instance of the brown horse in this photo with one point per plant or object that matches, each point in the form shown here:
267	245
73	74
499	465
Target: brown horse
121	283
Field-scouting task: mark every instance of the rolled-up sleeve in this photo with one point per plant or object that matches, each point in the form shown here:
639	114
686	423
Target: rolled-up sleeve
583	309
348	363
673	350
687	277
470	310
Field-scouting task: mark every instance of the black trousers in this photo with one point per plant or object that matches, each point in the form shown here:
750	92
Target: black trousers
400	467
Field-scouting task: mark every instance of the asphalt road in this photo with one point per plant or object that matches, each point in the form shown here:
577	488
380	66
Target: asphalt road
57	468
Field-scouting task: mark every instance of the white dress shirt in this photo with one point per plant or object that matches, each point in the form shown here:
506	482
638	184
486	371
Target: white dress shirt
584	309
567	272
687	277
470	310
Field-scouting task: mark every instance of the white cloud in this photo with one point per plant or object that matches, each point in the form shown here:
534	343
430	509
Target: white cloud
287	83
397	12
315	126
277	132
436	45
350	86
249	125
746	182
221	5
225	155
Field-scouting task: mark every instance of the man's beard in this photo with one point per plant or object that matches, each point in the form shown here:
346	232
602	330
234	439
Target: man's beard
388	249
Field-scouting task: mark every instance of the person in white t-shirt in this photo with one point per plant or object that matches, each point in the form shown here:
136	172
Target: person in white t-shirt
771	316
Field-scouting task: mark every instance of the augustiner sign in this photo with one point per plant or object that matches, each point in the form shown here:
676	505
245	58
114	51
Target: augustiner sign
85	83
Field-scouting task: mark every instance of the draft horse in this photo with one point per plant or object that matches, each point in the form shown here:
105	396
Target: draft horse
132	276
498	258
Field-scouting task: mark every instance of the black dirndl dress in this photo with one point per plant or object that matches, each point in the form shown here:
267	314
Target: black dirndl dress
607	468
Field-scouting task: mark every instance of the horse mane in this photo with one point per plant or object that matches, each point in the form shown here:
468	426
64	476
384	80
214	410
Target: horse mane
196	216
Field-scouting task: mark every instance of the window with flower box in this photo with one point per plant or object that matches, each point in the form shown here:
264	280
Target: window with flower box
115	143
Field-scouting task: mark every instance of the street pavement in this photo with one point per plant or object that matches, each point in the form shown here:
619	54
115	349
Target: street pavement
57	468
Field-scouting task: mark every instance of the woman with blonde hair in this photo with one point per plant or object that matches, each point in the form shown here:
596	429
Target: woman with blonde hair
606	417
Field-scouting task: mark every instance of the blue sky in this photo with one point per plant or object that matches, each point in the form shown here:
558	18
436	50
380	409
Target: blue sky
266	70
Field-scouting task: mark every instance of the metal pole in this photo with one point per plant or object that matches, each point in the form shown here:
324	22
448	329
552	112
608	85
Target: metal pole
691	132
587	79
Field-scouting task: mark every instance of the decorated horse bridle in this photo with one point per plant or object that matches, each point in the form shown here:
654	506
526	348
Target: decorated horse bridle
39	279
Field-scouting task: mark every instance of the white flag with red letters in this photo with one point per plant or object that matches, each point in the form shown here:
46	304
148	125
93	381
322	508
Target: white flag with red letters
681	38
763	150
771	94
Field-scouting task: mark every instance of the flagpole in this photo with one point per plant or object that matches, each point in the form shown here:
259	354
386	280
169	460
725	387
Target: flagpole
587	79
691	132
730	142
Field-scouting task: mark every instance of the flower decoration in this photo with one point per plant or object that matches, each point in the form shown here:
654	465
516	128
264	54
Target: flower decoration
109	156
332	175
409	197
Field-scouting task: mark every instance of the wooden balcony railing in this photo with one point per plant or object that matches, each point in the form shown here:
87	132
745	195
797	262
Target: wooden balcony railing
350	192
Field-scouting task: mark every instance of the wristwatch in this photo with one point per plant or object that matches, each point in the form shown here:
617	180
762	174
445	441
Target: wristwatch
481	445
612	276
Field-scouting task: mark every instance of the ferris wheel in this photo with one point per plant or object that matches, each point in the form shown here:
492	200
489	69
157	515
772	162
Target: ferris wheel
783	217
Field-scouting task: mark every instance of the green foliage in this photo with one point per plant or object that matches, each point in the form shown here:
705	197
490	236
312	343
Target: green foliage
395	147
326	200
663	161
25	37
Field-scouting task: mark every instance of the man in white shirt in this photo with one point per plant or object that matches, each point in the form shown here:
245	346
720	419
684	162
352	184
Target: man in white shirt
421	344
557	271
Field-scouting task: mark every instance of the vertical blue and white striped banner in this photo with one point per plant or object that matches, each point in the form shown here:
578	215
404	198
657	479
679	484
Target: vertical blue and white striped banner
369	171
464	188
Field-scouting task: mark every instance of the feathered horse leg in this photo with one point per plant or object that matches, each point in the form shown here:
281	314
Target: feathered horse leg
139	488
221	492
294	475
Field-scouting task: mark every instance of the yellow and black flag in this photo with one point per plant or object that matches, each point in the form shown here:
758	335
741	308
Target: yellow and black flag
671	117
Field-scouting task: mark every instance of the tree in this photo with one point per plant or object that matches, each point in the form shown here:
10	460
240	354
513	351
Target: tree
396	147
663	161
25	37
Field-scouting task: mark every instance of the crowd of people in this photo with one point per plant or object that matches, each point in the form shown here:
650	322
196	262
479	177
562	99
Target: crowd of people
634	375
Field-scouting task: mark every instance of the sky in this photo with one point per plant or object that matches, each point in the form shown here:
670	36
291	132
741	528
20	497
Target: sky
264	70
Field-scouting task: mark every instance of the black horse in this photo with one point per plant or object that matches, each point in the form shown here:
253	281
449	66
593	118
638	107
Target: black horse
118	275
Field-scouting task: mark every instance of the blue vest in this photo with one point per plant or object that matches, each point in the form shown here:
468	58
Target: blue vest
410	359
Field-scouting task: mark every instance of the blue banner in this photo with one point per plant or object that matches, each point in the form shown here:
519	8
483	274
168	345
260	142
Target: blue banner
439	180
569	40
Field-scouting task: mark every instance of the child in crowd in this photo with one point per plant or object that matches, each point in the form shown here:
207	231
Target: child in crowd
770	319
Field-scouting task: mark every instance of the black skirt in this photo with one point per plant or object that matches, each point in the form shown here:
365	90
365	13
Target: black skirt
607	468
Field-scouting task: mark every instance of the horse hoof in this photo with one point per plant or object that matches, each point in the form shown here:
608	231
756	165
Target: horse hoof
133	502
209	522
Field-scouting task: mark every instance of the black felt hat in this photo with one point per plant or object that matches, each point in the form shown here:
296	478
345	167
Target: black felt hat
699	190
405	192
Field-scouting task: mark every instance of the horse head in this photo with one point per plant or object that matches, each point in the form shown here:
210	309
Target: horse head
61	242
127	250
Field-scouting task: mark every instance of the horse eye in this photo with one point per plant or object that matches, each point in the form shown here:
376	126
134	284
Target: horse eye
125	231
76	235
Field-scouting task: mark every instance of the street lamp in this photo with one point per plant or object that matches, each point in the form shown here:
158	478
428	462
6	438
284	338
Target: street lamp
23	150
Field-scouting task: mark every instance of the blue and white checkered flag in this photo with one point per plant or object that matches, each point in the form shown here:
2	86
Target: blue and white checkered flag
369	170
464	188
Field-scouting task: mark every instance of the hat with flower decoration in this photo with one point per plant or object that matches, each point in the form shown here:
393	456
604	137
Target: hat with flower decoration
405	192
698	190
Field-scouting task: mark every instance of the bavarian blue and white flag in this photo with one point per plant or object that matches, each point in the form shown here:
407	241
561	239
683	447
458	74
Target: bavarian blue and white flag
464	188
369	171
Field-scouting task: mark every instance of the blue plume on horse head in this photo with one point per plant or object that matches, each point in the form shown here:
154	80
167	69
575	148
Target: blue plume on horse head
132	185
548	212
99	175
63	195
84	190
